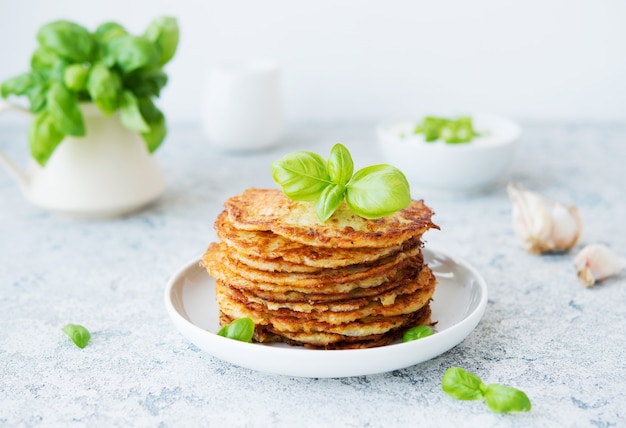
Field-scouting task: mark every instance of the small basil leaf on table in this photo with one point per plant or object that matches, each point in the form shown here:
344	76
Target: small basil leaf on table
79	334
241	329
377	191
302	175
504	399
417	332
462	385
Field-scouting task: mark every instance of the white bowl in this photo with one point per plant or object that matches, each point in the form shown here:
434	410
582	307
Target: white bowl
461	167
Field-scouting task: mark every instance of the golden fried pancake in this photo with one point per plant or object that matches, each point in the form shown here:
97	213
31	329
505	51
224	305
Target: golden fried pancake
290	296
386	331
325	340
342	280
268	246
285	319
270	265
271	210
343	302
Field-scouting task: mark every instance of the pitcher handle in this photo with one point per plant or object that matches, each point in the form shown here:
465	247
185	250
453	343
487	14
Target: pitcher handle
16	173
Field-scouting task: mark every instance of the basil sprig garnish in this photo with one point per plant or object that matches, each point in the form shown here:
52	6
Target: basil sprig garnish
241	329
79	334
463	385
372	192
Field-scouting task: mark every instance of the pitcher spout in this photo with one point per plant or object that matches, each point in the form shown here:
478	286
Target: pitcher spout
16	173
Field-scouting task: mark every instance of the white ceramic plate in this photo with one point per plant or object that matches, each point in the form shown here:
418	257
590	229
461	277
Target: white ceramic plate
458	305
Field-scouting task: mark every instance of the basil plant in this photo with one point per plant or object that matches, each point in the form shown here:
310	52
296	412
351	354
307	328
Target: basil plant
115	70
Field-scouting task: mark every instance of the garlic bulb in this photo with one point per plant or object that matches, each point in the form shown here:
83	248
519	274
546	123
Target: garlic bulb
544	225
596	262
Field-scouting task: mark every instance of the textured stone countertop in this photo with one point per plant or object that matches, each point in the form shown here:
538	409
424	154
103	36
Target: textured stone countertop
542	332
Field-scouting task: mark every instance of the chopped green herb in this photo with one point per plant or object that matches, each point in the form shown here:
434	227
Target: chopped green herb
79	334
463	385
372	192
452	131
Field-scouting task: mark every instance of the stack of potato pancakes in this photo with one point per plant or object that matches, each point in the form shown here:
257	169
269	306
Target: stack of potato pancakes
346	283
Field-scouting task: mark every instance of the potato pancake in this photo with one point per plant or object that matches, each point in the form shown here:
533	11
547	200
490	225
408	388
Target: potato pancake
346	283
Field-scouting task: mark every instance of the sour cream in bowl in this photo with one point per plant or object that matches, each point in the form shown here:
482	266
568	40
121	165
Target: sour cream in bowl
438	165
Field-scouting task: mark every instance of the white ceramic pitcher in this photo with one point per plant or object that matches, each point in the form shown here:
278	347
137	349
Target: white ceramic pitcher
107	173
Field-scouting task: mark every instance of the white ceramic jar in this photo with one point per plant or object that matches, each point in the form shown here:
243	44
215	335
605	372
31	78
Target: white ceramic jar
243	107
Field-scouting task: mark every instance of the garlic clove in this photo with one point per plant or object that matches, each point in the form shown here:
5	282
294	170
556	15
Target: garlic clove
531	221
596	262
544	225
567	226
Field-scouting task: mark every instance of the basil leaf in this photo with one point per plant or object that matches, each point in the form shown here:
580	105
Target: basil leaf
30	84
130	114
377	191
37	95
462	385
241	329
79	334
104	87
302	175
18	85
132	53
109	31
504	399
68	40
63	108
145	82
340	165
44	59
417	332
155	120
43	137
329	200
164	33
75	76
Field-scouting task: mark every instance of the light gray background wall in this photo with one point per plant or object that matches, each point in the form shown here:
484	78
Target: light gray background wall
369	60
